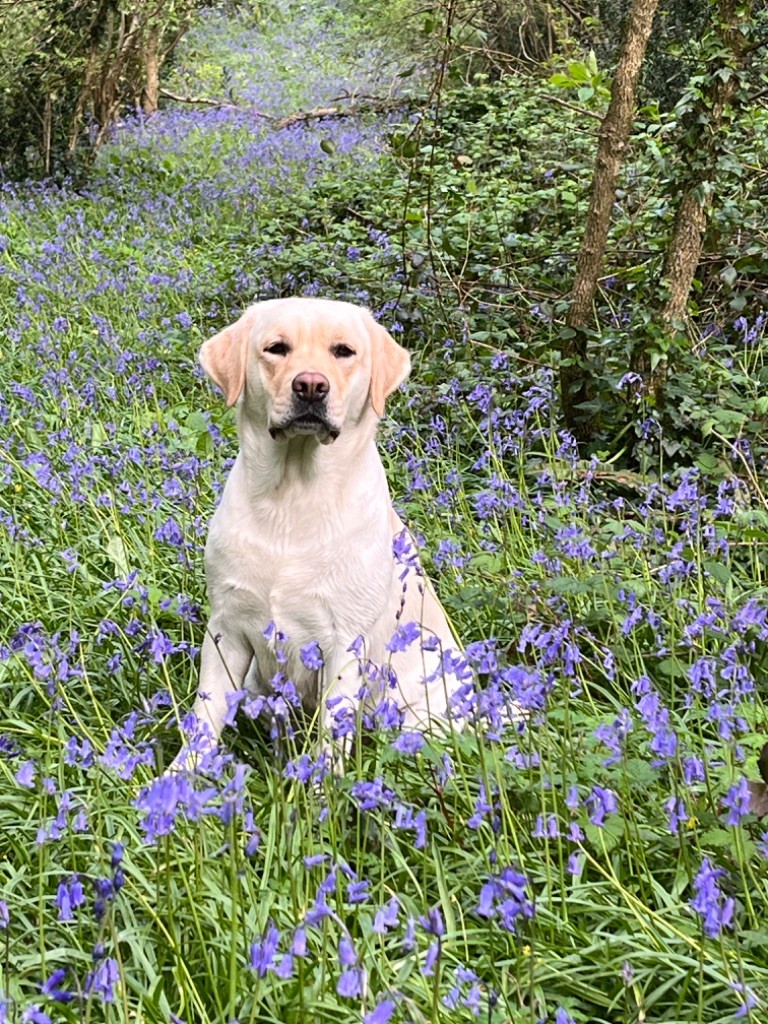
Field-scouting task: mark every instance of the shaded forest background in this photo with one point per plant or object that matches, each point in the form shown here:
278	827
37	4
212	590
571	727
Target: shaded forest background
641	248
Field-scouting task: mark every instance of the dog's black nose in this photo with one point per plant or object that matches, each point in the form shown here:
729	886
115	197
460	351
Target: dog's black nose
312	387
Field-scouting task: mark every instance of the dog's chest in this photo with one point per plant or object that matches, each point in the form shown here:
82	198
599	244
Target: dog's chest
314	580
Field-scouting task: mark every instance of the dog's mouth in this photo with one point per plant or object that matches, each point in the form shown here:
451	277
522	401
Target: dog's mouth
305	423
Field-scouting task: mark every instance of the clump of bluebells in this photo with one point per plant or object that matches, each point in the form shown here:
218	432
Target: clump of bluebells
599	759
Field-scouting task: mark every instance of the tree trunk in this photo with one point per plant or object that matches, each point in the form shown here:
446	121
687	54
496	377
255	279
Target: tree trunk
614	136
47	133
684	253
692	216
151	93
685	246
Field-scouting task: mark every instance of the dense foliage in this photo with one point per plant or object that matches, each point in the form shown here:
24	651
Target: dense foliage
595	861
68	71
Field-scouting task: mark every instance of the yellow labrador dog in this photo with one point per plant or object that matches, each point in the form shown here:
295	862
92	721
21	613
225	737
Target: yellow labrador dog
303	537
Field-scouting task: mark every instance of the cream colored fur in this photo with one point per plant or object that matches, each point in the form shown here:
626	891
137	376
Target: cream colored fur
303	536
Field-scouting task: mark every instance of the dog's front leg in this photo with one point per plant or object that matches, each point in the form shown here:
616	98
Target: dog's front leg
224	663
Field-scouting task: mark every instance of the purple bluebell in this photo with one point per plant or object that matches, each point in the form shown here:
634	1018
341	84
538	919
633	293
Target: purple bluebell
311	656
52	987
601	802
386	917
737	800
69	896
504	897
103	979
34	1015
430	960
408	743
263	952
381	1013
351	983
714	909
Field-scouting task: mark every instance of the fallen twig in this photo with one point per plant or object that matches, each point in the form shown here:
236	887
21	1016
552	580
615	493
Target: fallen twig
209	102
372	104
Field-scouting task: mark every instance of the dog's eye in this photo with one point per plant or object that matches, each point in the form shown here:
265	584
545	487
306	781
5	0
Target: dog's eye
342	351
277	348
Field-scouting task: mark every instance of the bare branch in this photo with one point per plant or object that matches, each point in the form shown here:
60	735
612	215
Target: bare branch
301	117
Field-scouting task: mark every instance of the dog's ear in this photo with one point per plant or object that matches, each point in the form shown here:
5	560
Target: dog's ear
390	365
224	356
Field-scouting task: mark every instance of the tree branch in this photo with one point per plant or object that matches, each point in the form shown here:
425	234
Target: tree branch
317	114
209	102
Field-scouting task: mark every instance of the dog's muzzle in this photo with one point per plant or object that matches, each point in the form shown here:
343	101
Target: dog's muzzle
309	413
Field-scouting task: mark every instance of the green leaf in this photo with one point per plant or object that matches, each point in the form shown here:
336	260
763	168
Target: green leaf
197	423
578	72
707	462
607	837
718	571
716	838
116	550
640	773
729	274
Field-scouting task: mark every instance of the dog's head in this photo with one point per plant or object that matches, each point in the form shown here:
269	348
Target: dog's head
306	366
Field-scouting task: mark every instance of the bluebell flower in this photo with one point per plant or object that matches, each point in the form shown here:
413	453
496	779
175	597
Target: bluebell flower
311	656
407	819
34	1015
386	917
299	942
25	776
563	1017
432	922
504	897
614	734
546	826
79	751
482	807
408	743
370	795
351	983
465	991
69	896
715	910
263	952
103	979
105	892
381	1014
347	954
405	635
737	800
677	811
283	968
51	987
165	799
601	802
357	891
409	938
748	1002
430	961
693	769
